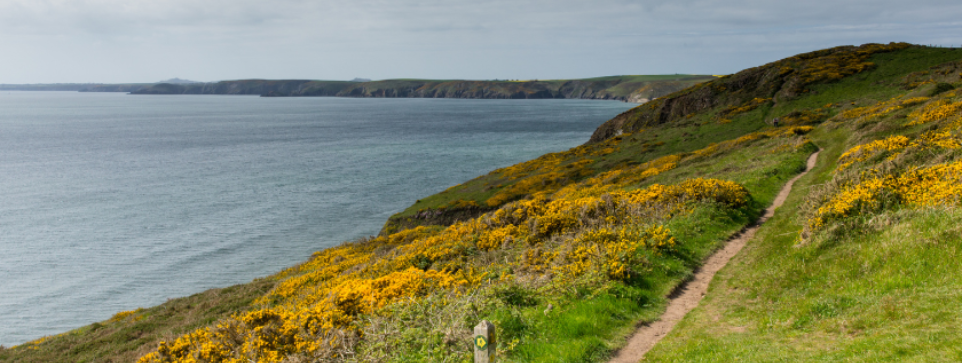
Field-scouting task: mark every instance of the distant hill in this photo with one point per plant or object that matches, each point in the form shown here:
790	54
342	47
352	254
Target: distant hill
637	88
82	87
176	80
624	88
78	87
90	87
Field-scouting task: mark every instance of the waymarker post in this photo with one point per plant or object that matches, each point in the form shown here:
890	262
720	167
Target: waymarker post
485	343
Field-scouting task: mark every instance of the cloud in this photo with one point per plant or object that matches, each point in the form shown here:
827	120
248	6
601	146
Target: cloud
217	39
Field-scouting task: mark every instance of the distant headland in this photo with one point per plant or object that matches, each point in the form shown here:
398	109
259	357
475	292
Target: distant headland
636	88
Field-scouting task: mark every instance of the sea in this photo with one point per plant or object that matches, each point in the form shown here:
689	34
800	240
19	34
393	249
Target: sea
110	202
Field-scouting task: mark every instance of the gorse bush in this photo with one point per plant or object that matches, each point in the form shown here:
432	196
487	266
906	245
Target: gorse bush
913	170
819	67
314	312
881	109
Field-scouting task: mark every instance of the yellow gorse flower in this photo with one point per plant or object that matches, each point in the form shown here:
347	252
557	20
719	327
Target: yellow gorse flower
940	184
317	303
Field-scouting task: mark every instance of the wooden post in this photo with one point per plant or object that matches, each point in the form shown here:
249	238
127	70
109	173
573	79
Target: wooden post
485	343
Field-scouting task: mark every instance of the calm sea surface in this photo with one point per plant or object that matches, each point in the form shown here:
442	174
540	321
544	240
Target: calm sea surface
110	202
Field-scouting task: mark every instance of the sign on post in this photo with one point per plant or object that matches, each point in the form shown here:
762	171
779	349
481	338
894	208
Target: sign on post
485	342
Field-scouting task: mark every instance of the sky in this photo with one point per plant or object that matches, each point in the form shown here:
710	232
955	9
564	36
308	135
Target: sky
128	41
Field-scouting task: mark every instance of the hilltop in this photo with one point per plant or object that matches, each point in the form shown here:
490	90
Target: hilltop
569	252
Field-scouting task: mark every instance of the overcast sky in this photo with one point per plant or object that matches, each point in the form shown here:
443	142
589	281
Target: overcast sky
114	41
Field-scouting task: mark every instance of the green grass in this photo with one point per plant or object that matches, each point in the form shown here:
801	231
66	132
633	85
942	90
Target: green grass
588	328
588	322
127	339
882	293
881	83
882	287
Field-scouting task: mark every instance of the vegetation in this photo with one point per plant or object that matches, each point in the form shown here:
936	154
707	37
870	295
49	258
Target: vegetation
867	268
567	252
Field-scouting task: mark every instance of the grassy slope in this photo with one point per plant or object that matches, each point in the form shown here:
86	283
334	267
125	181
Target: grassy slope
588	329
685	134
885	289
124	339
587	322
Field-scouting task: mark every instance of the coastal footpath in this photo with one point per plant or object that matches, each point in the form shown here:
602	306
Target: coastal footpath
569	253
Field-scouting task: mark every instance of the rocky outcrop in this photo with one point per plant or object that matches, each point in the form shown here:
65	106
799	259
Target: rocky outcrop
778	81
428	217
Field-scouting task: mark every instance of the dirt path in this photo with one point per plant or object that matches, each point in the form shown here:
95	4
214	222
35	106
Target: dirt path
688	295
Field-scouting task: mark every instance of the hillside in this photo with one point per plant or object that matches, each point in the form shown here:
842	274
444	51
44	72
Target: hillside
625	88
567	253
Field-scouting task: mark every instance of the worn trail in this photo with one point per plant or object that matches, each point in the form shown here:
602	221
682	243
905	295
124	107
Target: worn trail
687	296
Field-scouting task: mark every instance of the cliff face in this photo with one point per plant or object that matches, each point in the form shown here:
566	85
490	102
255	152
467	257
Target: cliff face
624	88
246	87
80	87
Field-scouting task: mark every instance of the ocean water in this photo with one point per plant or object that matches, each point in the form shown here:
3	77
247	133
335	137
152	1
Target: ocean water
110	202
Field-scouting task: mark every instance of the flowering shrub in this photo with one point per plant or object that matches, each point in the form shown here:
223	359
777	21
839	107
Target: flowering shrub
925	187
946	138
937	185
616	252
779	132
864	195
916	186
935	111
553	173
819	67
125	314
863	152
313	311
881	109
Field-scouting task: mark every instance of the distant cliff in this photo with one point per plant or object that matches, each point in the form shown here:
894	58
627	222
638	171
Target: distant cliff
81	87
624	88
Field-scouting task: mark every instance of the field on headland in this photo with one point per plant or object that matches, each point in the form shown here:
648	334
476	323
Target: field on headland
568	252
